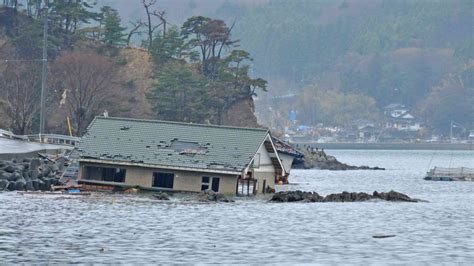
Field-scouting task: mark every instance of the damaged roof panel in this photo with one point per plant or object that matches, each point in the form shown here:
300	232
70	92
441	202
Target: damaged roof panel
164	143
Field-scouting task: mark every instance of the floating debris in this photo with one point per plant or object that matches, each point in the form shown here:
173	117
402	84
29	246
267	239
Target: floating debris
383	236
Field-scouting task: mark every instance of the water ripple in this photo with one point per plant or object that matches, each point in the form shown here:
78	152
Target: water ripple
137	229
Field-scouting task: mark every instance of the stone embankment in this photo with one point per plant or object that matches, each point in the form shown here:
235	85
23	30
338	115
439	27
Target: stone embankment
30	174
314	158
303	196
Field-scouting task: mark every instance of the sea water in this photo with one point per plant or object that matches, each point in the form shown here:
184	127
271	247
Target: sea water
137	229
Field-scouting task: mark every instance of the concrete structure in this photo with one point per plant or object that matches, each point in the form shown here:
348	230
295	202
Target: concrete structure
171	156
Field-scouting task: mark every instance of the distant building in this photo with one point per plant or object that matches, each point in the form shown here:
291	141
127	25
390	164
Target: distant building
399	118
171	156
470	137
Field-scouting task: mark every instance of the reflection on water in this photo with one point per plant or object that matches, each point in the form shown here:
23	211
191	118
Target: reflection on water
133	229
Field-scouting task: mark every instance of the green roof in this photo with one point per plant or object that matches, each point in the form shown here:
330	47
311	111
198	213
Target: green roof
171	144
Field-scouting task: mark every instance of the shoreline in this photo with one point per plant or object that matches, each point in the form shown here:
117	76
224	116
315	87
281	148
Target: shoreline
389	146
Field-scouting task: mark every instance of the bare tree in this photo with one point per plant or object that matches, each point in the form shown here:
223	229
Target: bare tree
20	90
148	4
84	83
136	26
161	16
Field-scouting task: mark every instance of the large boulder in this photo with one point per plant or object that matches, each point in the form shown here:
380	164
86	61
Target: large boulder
26	174
19	168
11	186
10	177
20	185
43	186
54	168
34	173
55	182
35	163
4	175
29	186
46	171
15	176
3	184
36	184
47	184
10	168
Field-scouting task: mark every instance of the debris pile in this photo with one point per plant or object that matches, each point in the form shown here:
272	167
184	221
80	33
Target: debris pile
36	174
161	196
293	196
211	196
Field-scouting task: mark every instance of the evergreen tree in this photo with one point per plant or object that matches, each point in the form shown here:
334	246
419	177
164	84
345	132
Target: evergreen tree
113	33
179	94
171	46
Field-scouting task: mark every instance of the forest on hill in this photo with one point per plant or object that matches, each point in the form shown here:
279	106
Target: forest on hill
193	72
365	54
331	62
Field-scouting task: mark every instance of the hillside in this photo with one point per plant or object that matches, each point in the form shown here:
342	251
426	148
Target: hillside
391	51
87	77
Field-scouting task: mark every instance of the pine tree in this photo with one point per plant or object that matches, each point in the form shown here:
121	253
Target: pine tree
113	33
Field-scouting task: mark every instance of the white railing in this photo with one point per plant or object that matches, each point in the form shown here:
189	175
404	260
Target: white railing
45	138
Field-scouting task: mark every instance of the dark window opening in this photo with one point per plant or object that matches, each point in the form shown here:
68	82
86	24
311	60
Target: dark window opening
215	184
205	183
163	180
108	174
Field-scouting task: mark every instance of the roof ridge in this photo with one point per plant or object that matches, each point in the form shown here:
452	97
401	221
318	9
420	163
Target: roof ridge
178	123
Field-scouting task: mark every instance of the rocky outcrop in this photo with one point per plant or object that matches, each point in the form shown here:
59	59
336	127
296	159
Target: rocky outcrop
29	174
211	196
241	113
314	158
294	196
298	195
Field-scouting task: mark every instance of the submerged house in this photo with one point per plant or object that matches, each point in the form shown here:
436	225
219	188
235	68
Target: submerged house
288	155
163	155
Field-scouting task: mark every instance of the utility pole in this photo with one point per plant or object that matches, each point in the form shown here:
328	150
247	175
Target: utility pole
44	74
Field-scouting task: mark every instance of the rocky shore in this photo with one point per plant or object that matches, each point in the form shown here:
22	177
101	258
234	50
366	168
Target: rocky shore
303	196
36	174
315	158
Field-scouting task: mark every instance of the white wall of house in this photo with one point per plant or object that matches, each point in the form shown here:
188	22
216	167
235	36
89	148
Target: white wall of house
183	180
263	169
